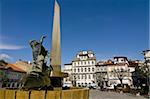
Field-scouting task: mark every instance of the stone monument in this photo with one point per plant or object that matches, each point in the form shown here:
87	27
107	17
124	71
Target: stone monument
56	76
38	77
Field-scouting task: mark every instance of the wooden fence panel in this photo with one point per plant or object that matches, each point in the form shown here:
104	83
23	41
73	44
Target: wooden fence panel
10	94
2	94
66	94
85	93
53	95
63	94
37	95
22	95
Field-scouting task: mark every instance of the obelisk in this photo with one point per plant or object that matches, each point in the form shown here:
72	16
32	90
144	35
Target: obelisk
56	49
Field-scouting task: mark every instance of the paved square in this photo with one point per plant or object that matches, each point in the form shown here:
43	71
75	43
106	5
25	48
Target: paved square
96	94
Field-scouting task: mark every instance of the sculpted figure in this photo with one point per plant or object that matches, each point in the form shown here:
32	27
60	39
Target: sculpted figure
38	78
39	54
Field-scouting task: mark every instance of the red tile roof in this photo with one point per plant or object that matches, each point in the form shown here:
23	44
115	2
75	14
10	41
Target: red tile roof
15	68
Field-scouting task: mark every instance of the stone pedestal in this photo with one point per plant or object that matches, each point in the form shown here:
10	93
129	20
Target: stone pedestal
56	81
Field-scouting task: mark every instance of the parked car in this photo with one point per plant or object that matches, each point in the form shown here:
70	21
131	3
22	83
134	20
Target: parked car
111	87
93	86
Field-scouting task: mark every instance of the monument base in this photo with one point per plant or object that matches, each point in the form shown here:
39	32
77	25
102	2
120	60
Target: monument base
56	78
56	81
36	81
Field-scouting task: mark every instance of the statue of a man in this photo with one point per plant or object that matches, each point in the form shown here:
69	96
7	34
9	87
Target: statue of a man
39	54
40	72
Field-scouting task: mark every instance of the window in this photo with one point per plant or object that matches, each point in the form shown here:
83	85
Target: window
89	69
89	76
93	69
81	63
92	62
81	69
78	76
74	70
81	76
85	69
78	70
93	76
85	76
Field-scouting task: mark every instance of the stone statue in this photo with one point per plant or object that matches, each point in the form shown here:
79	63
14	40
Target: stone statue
38	78
39	54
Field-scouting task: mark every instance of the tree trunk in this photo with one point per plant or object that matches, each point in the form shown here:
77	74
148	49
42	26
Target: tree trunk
121	83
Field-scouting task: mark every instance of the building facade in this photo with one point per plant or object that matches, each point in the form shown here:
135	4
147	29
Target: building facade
67	82
10	76
83	69
102	73
116	71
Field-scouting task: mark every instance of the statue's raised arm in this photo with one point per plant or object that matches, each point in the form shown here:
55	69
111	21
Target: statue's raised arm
42	38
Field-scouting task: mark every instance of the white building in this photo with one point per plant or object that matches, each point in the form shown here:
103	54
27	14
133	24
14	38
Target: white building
119	71
83	69
67	82
112	72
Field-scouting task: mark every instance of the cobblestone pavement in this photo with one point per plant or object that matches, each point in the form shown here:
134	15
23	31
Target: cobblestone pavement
96	94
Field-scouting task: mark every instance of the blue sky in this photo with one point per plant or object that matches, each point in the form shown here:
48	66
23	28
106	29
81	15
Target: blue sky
108	27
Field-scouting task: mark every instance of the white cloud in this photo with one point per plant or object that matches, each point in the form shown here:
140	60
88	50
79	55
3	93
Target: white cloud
10	47
5	57
5	46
